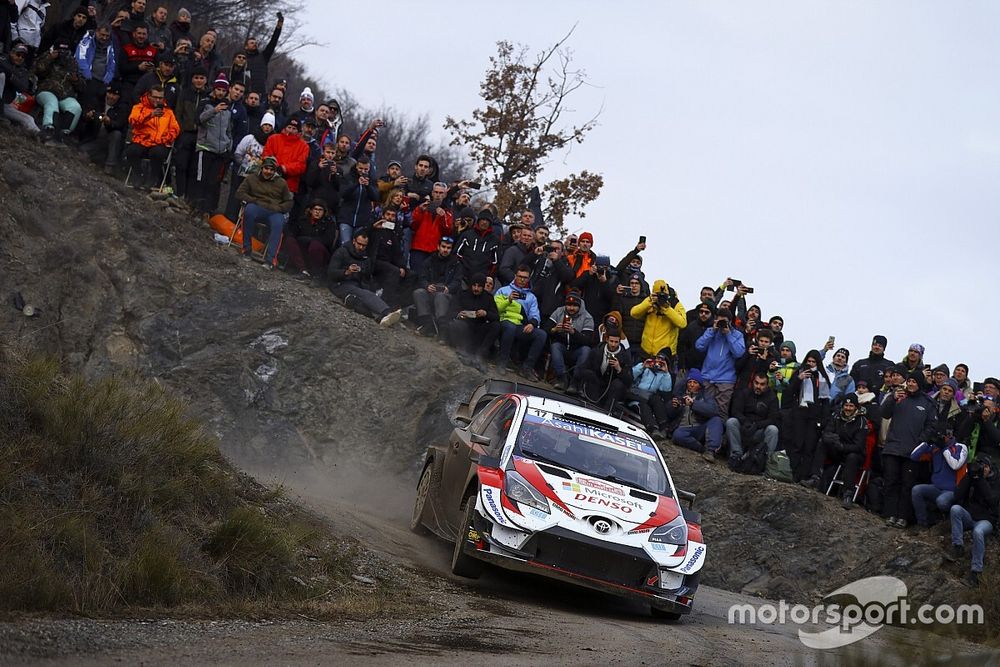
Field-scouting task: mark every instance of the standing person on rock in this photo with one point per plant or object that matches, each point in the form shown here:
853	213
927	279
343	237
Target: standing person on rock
257	61
215	141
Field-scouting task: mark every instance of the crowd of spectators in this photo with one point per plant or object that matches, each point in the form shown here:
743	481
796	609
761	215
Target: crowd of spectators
906	438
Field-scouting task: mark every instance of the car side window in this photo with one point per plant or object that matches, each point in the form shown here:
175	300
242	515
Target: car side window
479	423
500	425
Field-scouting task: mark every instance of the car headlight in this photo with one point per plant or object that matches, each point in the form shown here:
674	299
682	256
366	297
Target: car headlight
518	489
675	532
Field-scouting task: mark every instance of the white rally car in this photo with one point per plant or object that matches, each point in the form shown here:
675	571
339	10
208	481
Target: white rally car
538	482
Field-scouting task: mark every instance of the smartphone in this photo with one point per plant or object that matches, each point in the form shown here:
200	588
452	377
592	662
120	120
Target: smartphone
642	239
567	320
388	225
927	367
831	340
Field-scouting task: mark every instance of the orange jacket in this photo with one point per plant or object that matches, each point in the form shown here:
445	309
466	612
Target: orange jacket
148	130
291	152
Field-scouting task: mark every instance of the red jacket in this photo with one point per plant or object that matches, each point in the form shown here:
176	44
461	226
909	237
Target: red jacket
291	152
428	228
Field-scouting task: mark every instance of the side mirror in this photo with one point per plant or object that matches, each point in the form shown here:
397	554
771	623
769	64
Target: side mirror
461	421
686	496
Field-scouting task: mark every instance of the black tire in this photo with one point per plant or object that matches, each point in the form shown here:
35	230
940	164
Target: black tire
424	488
462	564
671	616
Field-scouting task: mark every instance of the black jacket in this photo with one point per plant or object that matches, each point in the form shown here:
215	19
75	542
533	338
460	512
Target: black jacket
342	258
911	422
438	270
485	301
846	437
304	230
513	257
754	412
871	369
548	283
688	356
324	183
388	244
596	359
980	496
477	251
258	62
356	201
189	106
18	79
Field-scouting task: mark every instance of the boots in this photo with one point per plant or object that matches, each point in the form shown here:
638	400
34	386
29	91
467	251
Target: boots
66	123
847	499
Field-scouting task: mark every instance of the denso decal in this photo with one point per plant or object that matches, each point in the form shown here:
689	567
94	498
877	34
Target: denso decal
604	502
492	503
693	559
601	485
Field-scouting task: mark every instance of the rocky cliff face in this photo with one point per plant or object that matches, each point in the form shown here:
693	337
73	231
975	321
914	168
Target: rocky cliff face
286	378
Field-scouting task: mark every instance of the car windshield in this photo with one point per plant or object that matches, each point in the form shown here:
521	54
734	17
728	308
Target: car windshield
589	449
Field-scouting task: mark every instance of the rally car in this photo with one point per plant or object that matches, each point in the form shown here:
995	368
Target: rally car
534	481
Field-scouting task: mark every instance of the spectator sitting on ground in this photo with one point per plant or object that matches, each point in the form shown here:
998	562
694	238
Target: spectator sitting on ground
15	79
154	129
103	130
947	458
519	323
722	344
754	419
350	274
664	318
477	325
310	241
650	392
439	281
976	508
59	83
606	376
843	443
571	335
695	418
267	197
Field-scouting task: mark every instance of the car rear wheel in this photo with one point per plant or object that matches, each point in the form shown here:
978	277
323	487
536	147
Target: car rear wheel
671	616
462	564
421	501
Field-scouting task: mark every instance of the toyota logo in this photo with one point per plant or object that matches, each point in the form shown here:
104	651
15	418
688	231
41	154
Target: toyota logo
602	526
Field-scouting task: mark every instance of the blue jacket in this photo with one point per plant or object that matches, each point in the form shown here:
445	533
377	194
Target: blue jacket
85	57
721	352
841	382
947	463
529	304
646	379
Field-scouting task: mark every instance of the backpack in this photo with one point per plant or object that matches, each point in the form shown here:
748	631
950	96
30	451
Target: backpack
778	467
753	462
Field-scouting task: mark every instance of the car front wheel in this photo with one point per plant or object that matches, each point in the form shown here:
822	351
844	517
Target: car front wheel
462	564
421	501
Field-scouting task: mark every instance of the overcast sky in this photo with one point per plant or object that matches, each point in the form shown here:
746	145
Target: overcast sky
843	158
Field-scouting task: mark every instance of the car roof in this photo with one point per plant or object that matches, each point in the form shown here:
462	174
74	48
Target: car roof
577	410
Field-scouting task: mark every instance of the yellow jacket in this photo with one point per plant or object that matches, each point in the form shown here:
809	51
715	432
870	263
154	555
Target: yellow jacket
663	322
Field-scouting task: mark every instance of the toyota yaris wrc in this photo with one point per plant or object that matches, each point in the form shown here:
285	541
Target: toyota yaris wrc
535	482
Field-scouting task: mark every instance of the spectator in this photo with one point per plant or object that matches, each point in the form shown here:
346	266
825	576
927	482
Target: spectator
439	280
70	31
343	155
431	221
154	129
808	398
873	367
841	382
695	416
947	458
477	326
159	29
309	136
571	335
358	197
181	26
138	58
275	102
206	56
329	119
843	443
419	186
59	83
979	430
964	385
664	318
368	142
976	508
267	197
189	106
184	60
389	266
27	22
517	254
722	344
254	111
104	130
310	241
631	265
760	356
477	246
650	392
162	75
914	359
781	370
240	124
755	419
947	411
519	323
306	108
698	320
606	376
391	179
137	12
258	62
15	80
215	140
777	325
350	274
323	178
96	60
238	70
628	296
291	153
249	152
912	414
550	278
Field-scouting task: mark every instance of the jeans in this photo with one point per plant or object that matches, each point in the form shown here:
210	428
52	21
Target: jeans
961	521
921	494
691	436
436	304
558	352
769	435
346	234
510	332
275	220
367	299
50	104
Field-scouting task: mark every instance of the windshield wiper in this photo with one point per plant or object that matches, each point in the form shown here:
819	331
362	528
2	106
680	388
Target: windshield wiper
626	482
545	459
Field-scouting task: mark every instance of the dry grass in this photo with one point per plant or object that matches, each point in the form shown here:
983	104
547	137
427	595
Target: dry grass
113	500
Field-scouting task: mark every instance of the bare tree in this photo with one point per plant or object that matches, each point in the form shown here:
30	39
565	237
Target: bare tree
515	135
